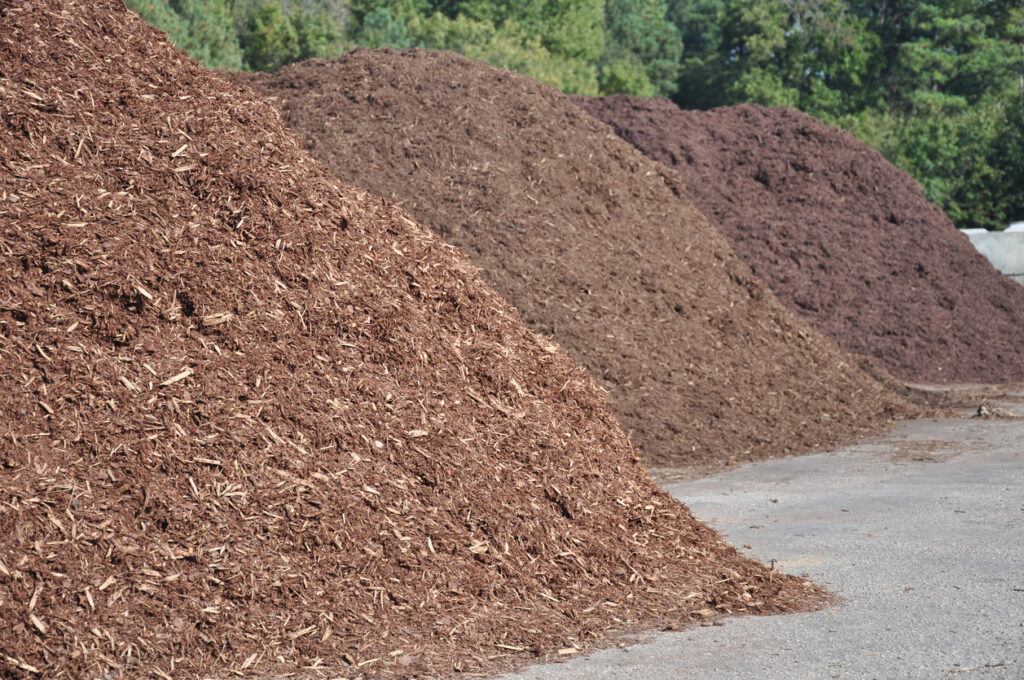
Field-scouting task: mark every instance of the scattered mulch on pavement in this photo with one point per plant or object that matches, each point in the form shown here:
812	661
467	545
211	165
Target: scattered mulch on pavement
840	235
253	420
597	246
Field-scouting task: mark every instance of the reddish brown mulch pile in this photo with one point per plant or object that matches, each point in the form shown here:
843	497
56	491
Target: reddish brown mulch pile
253	420
840	235
597	245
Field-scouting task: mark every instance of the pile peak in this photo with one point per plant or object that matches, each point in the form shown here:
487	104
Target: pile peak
843	238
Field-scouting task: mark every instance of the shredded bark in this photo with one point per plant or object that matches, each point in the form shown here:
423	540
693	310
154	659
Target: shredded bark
598	246
255	421
842	237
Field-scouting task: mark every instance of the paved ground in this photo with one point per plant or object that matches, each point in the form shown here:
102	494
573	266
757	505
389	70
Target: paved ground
921	530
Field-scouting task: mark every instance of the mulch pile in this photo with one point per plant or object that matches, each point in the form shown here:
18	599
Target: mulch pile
596	245
253	420
840	235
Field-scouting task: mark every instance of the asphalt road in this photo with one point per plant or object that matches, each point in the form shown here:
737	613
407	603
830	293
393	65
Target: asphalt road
920	530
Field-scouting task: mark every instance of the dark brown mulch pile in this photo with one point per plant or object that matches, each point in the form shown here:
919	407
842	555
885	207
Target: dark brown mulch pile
253	420
840	235
597	245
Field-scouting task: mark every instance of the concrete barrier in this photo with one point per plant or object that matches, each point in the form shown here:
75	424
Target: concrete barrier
1004	249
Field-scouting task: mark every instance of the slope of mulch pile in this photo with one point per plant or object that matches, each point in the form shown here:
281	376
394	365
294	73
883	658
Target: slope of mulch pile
594	243
840	235
253	420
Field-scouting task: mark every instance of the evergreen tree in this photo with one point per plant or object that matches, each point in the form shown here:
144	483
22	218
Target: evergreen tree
809	54
211	36
1008	153
643	48
380	28
269	39
203	28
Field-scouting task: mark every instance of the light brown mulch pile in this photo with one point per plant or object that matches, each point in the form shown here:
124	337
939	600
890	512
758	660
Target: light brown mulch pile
597	245
253	420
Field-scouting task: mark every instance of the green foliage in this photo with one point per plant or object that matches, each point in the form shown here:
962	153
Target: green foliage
622	71
271	38
252	34
380	28
320	33
574	28
950	48
570	28
642	49
505	47
211	32
159	13
203	28
555	41
809	54
397	10
1008	157
700	27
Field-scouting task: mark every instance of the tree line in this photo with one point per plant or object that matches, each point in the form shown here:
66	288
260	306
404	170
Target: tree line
936	85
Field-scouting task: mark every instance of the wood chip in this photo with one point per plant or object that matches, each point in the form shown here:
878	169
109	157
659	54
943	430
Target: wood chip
177	378
299	633
38	623
217	319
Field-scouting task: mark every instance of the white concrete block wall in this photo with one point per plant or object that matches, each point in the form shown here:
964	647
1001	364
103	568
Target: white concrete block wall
1004	249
